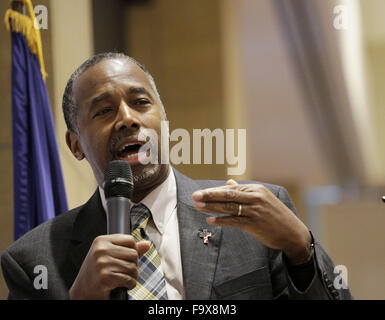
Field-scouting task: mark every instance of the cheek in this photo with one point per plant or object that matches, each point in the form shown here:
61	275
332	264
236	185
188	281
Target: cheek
154	120
94	145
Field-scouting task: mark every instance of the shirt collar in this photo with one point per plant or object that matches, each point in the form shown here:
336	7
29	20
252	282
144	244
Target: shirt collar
161	201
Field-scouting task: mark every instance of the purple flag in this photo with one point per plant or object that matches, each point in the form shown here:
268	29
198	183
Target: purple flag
39	192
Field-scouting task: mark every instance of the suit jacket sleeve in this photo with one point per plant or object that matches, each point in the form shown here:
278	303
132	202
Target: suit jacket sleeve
322	284
19	284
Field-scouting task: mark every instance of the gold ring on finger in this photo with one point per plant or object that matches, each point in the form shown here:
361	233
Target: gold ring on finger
239	210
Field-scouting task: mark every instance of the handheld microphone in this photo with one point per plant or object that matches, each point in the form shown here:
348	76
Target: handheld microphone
118	188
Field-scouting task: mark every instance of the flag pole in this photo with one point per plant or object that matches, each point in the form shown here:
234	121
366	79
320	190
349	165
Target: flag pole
18	6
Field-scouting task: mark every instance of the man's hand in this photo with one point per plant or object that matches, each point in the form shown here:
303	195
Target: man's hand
262	215
111	262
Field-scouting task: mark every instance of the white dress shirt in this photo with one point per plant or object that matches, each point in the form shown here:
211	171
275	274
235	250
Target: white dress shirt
163	229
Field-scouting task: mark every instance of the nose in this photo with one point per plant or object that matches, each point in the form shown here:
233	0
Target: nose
126	118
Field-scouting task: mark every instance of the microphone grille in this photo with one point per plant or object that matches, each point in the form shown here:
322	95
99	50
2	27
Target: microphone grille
118	180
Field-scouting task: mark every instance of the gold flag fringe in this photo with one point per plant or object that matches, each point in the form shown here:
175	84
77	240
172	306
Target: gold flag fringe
18	22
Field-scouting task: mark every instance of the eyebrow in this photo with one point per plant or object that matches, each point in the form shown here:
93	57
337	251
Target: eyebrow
106	95
99	98
137	90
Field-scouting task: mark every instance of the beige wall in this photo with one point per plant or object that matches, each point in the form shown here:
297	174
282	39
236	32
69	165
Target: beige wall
71	43
374	46
190	80
353	235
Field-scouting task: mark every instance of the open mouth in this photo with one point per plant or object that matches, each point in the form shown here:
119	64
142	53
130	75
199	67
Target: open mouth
129	151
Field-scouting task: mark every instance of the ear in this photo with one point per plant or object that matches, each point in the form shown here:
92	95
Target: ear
73	144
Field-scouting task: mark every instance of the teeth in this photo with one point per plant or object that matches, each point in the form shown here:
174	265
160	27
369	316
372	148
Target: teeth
133	155
130	156
127	145
124	147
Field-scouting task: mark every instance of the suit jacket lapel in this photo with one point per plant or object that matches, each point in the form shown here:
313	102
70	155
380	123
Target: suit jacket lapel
90	223
198	259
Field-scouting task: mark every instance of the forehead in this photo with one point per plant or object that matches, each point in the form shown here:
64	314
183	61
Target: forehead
109	74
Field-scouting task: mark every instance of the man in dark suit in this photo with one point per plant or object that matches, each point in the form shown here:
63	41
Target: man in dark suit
215	239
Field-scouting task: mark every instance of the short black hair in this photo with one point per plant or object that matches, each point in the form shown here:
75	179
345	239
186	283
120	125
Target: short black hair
69	104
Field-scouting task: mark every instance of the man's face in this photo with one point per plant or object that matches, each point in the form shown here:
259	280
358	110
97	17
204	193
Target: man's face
116	102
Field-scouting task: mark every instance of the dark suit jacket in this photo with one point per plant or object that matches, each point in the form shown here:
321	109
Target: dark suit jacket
233	265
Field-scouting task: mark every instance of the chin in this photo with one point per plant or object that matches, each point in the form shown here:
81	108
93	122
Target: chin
144	176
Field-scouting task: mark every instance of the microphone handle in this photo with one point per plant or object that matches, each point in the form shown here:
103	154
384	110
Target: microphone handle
118	215
118	221
119	294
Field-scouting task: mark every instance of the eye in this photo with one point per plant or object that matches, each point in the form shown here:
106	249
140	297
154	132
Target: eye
102	112
142	102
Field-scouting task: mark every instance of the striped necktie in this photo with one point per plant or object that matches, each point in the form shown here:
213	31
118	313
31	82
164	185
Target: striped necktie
150	284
